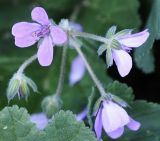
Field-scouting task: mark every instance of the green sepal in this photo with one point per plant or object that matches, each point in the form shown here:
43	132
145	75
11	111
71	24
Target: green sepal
123	33
32	84
12	89
109	57
115	44
101	49
23	90
119	101
97	105
111	32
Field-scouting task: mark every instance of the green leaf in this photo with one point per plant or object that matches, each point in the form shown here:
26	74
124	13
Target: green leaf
148	115
121	90
105	13
143	56
65	127
58	5
15	125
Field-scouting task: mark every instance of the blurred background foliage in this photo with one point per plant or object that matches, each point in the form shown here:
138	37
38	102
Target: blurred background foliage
96	16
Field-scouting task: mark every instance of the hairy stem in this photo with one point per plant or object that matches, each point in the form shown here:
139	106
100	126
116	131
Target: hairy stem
93	76
90	36
62	71
26	63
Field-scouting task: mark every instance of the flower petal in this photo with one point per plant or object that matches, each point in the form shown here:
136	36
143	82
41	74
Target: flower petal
77	70
40	120
39	15
58	35
98	124
82	115
113	117
133	125
75	26
22	29
117	133
45	52
135	40
123	62
25	41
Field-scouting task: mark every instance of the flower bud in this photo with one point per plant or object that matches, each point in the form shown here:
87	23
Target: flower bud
19	85
51	105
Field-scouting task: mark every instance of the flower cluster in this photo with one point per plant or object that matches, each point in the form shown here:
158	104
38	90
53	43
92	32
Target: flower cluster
110	115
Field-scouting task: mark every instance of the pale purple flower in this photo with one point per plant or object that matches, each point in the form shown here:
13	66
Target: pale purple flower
113	118
77	67
121	57
44	31
77	70
75	26
119	46
82	115
40	119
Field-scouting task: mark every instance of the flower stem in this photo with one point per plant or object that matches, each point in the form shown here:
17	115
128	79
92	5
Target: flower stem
26	63
62	71
90	36
93	76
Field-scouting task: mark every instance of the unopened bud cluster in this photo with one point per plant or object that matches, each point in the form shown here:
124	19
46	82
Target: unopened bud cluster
19	86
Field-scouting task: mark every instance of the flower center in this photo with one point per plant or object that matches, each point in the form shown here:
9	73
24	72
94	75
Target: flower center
45	30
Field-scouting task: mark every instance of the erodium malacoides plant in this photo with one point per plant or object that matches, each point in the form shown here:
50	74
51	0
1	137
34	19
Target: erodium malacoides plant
110	113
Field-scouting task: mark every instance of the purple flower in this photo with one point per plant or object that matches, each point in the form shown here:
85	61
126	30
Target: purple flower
113	118
40	119
44	31
77	70
75	26
82	115
118	47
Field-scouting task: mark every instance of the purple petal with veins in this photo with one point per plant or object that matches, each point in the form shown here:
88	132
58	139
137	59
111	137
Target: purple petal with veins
123	61
135	40
39	15
45	52
133	125
117	133
58	35
98	124
23	29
